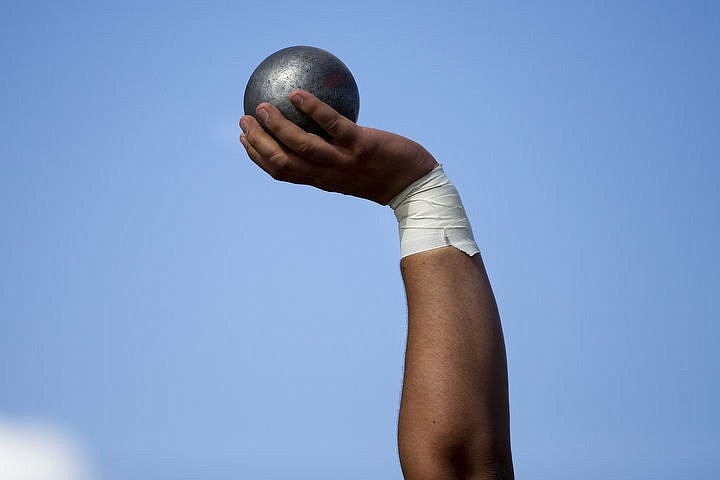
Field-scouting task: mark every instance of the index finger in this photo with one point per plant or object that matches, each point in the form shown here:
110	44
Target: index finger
343	130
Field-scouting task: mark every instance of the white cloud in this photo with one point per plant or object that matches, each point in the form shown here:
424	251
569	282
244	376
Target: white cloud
32	450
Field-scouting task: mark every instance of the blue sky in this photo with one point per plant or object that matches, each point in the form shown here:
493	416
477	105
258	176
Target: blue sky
185	316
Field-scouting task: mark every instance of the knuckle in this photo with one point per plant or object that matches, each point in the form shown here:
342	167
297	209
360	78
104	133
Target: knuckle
254	156
251	135
280	169
333	125
305	149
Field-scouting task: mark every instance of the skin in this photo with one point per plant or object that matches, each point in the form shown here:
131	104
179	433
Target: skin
454	415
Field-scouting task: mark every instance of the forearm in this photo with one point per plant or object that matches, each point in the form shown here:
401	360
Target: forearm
454	418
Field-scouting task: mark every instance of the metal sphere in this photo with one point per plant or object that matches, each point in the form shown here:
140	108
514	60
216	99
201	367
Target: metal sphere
306	68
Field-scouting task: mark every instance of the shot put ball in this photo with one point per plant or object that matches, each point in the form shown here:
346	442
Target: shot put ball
306	68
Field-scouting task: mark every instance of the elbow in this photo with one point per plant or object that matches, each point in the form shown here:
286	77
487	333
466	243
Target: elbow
456	457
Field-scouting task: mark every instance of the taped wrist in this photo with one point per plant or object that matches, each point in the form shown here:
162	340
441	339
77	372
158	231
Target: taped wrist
430	215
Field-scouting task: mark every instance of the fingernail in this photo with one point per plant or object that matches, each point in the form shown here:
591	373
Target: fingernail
243	125
242	139
263	114
297	99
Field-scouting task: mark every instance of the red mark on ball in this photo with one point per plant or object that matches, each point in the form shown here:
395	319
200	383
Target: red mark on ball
333	79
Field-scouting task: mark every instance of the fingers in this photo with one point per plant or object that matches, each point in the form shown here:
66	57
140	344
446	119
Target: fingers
306	145
295	155
278	161
340	128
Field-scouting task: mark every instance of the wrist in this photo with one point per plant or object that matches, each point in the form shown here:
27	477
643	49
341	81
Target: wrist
430	215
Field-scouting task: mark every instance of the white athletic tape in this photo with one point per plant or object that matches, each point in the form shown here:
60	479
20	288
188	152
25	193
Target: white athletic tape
430	215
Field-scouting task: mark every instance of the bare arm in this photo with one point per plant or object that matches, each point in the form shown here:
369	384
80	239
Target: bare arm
454	420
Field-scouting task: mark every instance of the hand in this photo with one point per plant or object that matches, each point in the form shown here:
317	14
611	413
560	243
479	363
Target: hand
359	161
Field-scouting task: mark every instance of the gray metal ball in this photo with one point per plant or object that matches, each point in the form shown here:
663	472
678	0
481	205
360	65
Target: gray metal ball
307	68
